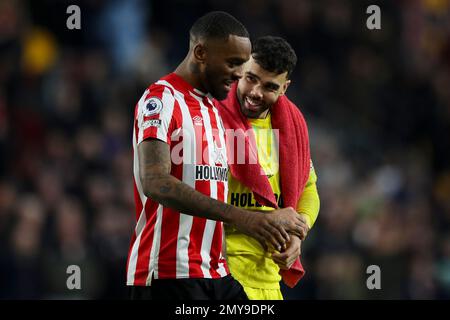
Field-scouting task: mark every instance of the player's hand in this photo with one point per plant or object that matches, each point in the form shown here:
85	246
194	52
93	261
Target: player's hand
290	221
273	228
287	258
305	228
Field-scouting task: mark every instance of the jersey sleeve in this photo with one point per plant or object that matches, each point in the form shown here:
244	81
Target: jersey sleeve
156	114
309	203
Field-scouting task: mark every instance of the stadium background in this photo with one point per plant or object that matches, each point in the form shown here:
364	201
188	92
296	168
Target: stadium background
377	104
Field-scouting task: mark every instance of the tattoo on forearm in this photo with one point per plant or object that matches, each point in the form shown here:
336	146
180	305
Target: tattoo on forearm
166	188
187	199
154	161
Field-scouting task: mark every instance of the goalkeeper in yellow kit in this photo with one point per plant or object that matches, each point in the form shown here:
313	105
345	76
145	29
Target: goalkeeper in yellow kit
265	80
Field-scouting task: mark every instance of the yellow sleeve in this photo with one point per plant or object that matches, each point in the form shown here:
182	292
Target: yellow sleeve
309	203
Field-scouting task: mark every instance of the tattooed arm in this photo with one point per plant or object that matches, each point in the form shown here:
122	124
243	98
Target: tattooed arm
161	186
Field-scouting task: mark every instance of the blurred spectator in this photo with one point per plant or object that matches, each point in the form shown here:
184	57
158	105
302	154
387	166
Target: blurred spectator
70	247
24	254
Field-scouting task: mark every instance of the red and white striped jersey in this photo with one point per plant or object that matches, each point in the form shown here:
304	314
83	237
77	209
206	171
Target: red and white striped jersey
167	243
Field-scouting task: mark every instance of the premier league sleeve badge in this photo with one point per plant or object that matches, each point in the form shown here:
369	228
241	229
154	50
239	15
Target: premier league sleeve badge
152	106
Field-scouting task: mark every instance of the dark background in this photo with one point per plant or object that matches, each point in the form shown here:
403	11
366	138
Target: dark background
377	103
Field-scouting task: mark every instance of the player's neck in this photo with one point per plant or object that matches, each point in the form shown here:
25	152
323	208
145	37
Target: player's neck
189	72
262	115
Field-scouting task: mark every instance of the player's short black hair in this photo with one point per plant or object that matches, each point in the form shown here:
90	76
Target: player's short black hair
274	54
217	25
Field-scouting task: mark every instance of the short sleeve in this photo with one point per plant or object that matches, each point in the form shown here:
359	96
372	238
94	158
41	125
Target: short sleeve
156	116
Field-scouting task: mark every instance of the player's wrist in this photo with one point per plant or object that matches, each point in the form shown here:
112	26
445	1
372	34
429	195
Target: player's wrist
236	216
294	237
305	217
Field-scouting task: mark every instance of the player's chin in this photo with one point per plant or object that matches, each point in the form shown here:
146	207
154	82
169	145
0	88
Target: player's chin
221	93
249	113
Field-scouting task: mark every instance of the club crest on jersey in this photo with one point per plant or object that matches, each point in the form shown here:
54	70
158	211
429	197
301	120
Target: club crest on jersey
198	121
152	106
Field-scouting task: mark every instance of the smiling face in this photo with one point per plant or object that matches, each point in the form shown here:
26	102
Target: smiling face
223	64
259	89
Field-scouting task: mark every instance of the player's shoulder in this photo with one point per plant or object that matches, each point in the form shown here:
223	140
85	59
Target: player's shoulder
157	98
294	109
159	88
287	103
159	92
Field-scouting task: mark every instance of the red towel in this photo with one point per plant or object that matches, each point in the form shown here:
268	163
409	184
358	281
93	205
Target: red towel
294	157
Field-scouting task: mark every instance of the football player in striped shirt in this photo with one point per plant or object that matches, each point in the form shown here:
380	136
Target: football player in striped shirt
181	175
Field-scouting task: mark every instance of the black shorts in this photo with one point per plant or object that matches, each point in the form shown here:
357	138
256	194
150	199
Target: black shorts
226	288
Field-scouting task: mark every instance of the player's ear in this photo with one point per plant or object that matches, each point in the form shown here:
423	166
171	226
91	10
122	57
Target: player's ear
285	86
199	52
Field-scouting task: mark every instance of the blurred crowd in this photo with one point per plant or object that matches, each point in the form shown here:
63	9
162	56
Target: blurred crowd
377	103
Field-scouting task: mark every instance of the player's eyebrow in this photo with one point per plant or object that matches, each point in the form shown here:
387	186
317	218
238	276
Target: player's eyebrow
269	84
253	75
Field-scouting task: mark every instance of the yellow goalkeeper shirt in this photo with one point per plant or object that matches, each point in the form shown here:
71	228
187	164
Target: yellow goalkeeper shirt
247	260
